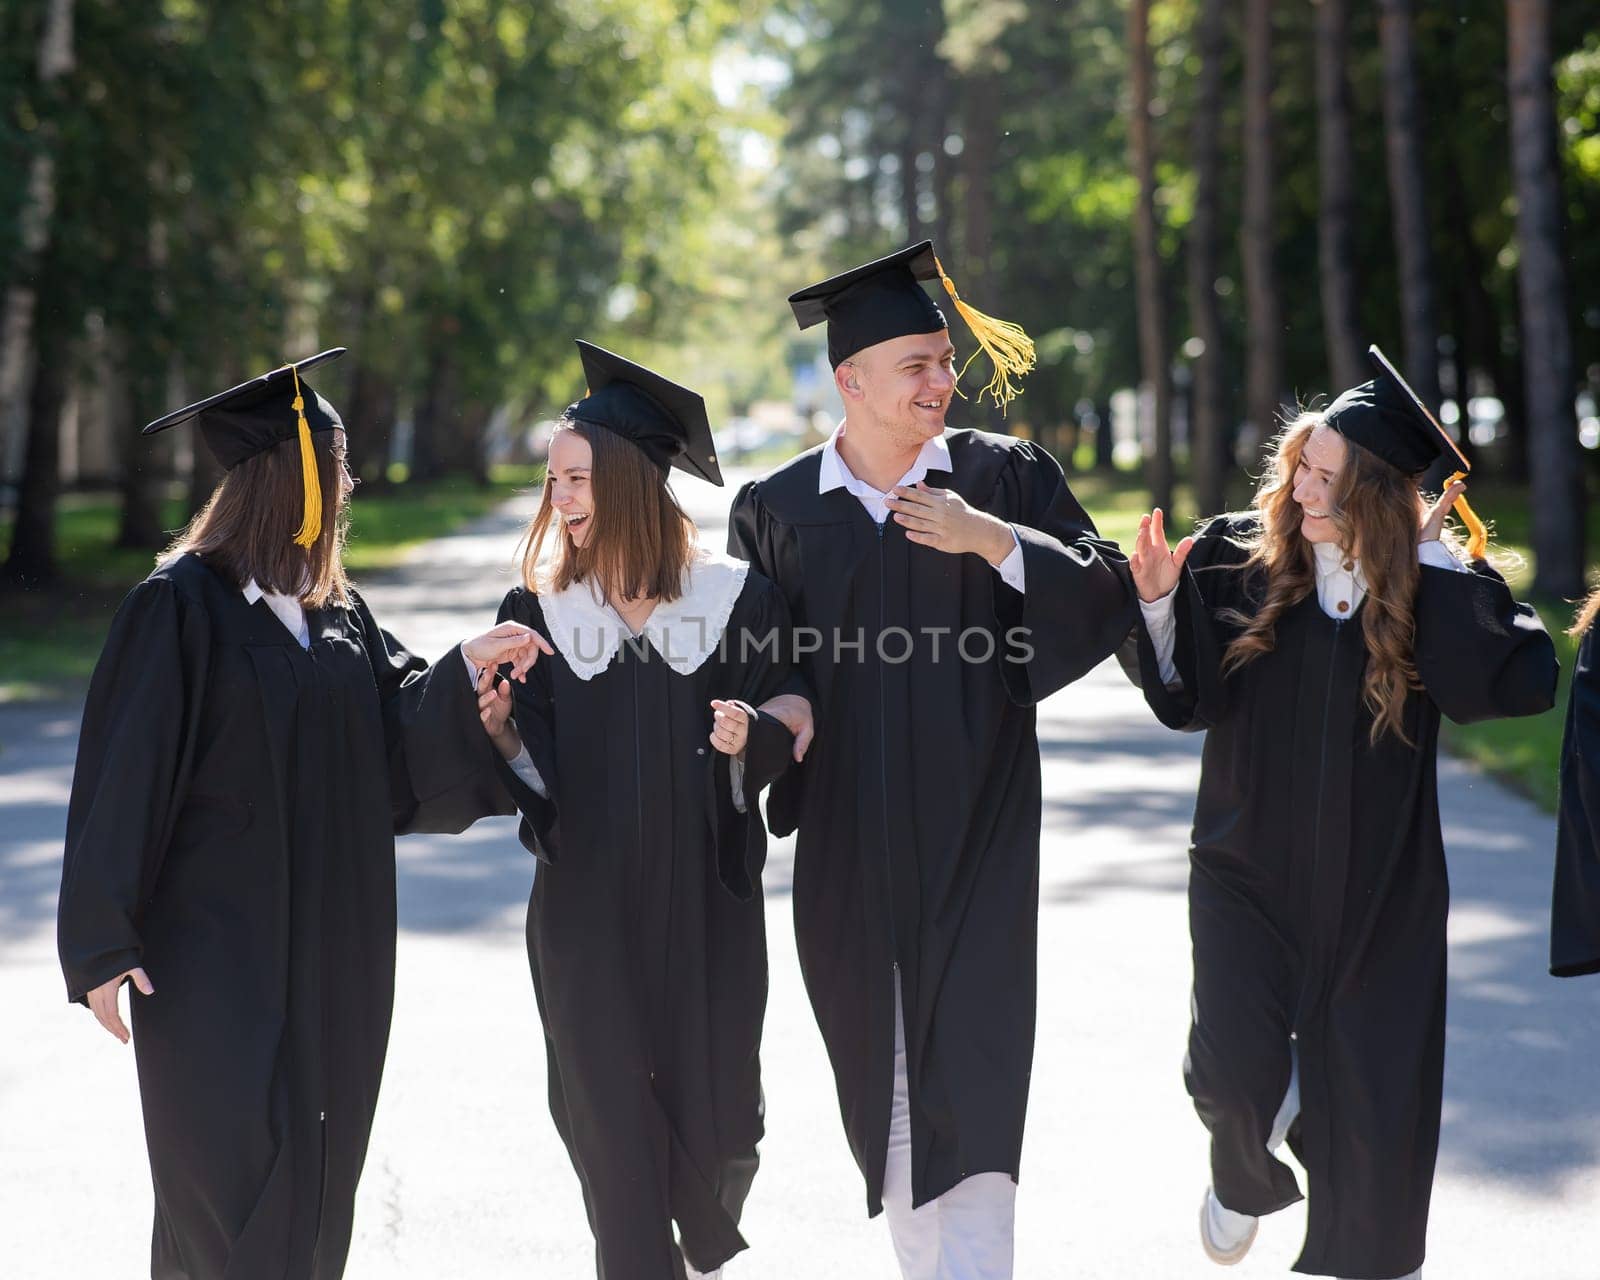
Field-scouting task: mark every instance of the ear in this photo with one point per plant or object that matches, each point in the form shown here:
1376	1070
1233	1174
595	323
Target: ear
847	378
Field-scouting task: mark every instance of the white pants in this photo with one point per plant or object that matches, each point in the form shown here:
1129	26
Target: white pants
965	1234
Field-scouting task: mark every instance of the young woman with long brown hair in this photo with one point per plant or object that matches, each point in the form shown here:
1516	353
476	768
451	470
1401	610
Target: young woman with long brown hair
1318	639
251	741
637	774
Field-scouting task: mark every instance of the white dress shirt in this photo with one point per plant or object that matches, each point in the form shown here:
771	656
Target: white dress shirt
1341	587
288	609
935	456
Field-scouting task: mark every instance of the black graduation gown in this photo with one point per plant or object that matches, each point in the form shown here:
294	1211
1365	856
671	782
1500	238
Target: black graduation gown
1318	892
231	829
646	932
918	804
1575	905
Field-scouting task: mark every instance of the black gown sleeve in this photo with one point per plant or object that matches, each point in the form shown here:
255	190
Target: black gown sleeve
135	752
533	708
442	774
1210	581
1079	604
1575	903
758	645
755	537
1480	654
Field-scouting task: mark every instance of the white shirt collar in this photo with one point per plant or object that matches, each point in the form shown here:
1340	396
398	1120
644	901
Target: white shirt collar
252	592
832	473
686	632
1332	559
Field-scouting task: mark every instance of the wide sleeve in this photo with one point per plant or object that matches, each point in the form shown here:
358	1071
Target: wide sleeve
1479	653
1210	581
135	751
442	765
1080	602
533	708
1575	903
758	645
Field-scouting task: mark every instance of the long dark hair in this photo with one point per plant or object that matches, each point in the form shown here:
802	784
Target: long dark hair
246	528
640	542
1377	510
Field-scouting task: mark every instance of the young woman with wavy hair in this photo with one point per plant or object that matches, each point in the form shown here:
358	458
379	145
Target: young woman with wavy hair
1318	638
636	755
251	742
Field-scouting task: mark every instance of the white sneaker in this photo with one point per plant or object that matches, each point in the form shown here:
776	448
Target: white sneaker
1226	1236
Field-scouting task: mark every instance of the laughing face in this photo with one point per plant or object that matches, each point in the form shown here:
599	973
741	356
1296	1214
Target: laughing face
1314	480
905	384
571	465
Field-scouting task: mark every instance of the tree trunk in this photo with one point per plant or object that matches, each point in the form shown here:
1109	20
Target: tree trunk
1263	306
1336	201
436	416
370	423
1208	430
32	560
146	463
1556	473
34	219
1408	184
1155	377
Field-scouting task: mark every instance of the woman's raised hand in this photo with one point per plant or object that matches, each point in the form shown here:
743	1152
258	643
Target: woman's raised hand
103	1001
1433	518
1156	570
511	642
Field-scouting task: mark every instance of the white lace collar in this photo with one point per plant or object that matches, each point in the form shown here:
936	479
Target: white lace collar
589	633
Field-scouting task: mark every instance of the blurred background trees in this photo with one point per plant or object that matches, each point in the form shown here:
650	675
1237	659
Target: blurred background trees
1203	210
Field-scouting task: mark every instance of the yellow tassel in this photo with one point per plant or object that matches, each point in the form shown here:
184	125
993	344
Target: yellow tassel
311	526
1477	535
1006	344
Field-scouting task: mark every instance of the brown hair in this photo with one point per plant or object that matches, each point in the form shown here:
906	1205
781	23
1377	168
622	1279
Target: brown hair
1377	510
640	539
1587	608
246	529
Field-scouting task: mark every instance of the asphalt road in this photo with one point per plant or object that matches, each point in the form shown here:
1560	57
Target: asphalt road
466	1177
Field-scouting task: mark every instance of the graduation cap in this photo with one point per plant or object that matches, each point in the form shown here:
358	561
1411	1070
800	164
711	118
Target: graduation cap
884	299
666	421
1388	418
254	416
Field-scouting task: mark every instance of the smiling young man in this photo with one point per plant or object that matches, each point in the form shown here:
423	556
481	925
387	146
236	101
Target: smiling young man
945	582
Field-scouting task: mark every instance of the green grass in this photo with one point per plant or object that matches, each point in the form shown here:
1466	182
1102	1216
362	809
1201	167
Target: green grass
50	639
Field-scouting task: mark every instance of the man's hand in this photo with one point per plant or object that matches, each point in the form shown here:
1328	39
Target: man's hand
941	519
794	713
1155	569
103	1001
509	642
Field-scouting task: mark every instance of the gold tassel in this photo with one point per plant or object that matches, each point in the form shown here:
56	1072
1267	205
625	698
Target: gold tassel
311	526
1006	344
1477	534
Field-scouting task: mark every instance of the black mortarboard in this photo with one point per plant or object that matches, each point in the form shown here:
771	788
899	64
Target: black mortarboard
245	420
249	419
1386	417
666	421
885	299
872	303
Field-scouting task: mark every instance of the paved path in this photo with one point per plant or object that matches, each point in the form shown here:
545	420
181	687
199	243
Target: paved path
467	1179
